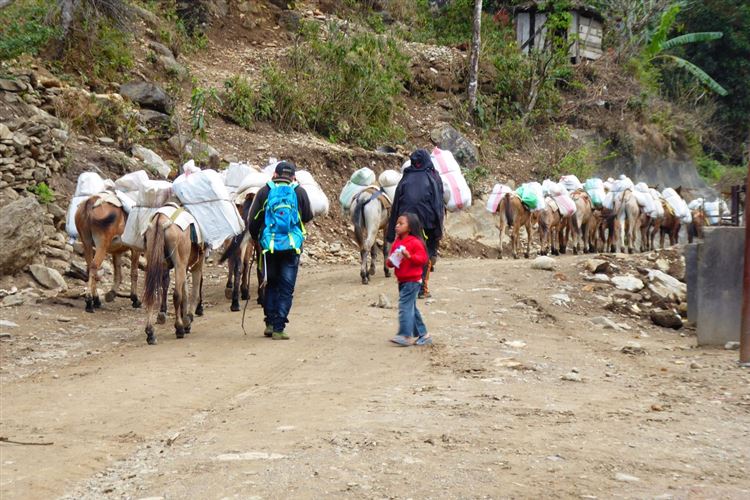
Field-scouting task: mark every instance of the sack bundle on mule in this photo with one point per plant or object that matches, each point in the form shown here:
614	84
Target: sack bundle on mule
565	204
658	212
235	174
318	200
595	189
531	195
358	182
205	196
571	183
679	206
454	185
388	181
89	184
152	195
127	187
645	200
251	184
498	191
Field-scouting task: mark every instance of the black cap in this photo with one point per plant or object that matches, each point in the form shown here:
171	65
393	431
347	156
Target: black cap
285	169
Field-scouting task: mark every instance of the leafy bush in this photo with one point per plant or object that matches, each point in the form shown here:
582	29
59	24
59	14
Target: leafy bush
99	50
202	102
23	28
43	193
240	101
343	86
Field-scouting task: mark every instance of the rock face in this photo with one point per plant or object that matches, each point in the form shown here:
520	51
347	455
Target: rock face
148	95
21	233
448	138
666	287
48	277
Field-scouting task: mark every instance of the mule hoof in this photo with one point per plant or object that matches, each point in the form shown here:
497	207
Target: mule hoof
97	302
151	339
365	281
161	318
199	310
136	303
89	308
179	333
515	256
244	293
110	296
371	272
228	293
234	307
526	255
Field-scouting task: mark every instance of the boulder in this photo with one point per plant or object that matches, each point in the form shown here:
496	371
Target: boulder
448	138
12	85
597	266
153	161
628	283
148	95
195	149
21	233
48	277
666	287
160	48
544	263
154	119
667	319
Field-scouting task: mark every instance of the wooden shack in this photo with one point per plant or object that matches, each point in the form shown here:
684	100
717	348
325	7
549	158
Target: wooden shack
585	30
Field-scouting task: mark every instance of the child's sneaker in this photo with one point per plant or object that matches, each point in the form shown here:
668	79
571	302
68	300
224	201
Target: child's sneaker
279	336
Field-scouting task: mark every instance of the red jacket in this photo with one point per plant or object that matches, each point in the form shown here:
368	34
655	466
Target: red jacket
410	269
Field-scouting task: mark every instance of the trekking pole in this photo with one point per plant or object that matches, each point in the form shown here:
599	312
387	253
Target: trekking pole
249	272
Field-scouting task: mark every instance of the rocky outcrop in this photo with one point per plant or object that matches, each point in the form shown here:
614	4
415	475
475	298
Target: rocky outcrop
21	231
448	138
148	95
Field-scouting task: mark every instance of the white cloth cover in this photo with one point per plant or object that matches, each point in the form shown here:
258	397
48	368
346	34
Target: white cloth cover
89	184
547	185
151	196
205	196
127	199
645	201
359	180
235	176
184	219
715	210
565	203
449	170
622	184
498	191
132	182
571	183
658	208
318	199
695	204
389	178
609	200
253	182
679	206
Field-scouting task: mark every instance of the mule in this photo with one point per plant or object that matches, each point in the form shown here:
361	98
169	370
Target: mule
239	252
551	223
514	214
578	227
169	246
603	230
695	228
628	219
370	211
670	226
100	225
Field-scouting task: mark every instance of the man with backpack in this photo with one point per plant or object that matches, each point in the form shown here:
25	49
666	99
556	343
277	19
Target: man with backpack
277	220
420	191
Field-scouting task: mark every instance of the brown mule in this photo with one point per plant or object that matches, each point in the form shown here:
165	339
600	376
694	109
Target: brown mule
514	214
100	225
169	246
670	225
239	253
578	228
551	224
695	228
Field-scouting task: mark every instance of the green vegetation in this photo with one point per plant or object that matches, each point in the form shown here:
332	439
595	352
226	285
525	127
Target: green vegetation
24	28
43	193
203	102
346	87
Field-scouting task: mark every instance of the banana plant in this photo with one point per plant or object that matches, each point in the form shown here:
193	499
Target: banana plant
657	47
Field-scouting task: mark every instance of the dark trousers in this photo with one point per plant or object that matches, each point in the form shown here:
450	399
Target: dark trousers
281	275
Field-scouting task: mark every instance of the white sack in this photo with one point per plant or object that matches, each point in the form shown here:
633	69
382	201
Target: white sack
449	170
498	191
205	196
89	184
389	178
318	199
235	175
571	183
151	196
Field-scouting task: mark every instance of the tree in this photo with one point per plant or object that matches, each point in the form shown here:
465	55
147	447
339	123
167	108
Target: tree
658	45
475	46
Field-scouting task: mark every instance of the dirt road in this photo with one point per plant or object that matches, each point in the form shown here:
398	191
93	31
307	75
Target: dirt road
338	412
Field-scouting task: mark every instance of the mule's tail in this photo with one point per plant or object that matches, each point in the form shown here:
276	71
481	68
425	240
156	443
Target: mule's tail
508	210
234	246
358	219
154	262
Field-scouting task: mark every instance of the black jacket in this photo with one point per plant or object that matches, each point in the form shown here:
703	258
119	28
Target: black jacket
420	191
256	217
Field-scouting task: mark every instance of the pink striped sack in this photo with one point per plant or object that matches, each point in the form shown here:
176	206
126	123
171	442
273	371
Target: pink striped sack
458	192
497	194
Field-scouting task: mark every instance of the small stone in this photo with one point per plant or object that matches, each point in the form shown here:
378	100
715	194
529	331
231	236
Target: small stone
666	319
597	266
598	278
572	377
543	263
106	141
561	299
633	348
606	323
627	478
48	277
628	283
657	407
8	324
732	345
695	366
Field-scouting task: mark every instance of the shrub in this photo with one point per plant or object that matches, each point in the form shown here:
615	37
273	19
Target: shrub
239	101
23	28
43	193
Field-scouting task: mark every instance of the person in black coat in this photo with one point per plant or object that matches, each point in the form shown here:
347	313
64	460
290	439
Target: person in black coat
420	191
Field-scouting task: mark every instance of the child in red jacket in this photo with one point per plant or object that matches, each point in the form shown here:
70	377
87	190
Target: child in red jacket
408	257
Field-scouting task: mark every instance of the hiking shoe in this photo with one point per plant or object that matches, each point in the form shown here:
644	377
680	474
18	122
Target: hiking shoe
268	331
279	336
424	295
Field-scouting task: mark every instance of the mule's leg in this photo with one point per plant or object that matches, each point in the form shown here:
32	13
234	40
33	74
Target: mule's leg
363	266
237	280
199	307
134	258
117	266
94	267
373	259
229	288
197	277
501	227
161	318
514	238
528	239
179	296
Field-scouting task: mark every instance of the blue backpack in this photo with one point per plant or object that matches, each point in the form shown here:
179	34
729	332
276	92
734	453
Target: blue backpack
284	229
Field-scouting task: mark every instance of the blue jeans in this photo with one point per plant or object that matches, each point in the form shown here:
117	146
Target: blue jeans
410	322
281	273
